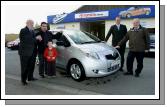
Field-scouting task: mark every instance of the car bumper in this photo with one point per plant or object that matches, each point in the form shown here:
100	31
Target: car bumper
100	68
9	46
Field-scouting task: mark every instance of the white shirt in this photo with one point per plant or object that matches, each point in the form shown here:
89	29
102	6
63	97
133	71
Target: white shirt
118	26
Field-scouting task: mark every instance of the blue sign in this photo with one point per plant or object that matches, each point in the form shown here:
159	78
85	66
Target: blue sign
124	13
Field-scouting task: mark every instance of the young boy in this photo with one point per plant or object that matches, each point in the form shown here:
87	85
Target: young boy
50	54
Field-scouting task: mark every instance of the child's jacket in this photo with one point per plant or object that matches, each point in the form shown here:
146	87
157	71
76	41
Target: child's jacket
50	54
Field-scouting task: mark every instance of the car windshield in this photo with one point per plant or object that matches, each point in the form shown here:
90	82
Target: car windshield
81	37
152	36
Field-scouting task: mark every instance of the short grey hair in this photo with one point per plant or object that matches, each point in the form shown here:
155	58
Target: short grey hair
29	20
136	19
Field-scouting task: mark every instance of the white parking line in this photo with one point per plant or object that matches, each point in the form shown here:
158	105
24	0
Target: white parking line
66	89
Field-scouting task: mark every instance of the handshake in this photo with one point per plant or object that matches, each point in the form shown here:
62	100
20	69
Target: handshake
117	46
39	37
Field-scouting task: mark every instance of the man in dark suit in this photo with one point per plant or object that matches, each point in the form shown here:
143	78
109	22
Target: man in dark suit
118	31
43	37
27	52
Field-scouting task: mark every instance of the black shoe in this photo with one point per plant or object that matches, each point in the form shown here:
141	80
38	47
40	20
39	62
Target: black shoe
24	83
128	73
32	79
42	76
136	75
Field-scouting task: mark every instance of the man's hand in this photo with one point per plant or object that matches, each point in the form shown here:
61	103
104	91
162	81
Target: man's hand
117	46
39	37
146	51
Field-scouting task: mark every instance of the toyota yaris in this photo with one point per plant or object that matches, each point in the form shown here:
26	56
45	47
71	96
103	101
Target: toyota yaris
84	55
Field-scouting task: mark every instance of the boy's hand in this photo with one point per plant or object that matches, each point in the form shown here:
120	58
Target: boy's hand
48	57
53	58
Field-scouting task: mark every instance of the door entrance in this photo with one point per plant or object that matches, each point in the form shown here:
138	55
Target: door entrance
95	28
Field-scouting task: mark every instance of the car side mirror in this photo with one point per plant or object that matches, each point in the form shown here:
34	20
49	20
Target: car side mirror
60	43
57	35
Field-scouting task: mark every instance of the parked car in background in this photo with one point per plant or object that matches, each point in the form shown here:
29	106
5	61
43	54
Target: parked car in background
135	11
13	45
151	51
84	55
6	42
152	43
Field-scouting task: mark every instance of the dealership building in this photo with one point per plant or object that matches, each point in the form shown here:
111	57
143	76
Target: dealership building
97	19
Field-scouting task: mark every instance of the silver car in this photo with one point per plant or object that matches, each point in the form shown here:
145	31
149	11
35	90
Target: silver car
84	55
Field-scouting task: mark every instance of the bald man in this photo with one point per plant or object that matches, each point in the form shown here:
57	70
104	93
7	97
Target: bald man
138	44
27	52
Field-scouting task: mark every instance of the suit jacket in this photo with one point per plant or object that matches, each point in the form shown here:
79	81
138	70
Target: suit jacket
138	39
46	36
27	42
51	53
118	34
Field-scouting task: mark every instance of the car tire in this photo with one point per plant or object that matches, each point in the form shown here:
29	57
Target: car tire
76	71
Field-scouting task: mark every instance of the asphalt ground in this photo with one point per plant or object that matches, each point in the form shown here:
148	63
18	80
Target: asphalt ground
115	84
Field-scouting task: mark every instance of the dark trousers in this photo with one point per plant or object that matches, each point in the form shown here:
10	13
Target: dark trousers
51	68
42	65
130	59
27	67
121	52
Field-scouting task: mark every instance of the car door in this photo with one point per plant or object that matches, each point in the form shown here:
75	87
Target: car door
62	52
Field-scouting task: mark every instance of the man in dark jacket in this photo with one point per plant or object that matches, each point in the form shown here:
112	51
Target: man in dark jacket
138	44
43	37
118	31
27	52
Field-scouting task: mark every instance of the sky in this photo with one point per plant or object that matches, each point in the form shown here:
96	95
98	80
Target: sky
16	15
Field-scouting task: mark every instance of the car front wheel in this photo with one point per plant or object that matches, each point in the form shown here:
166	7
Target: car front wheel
77	71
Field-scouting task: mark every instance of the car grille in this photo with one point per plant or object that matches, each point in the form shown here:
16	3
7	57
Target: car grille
112	57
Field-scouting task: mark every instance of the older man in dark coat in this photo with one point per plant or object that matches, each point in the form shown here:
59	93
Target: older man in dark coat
138	44
27	52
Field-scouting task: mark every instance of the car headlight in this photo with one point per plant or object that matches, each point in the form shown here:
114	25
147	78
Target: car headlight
93	55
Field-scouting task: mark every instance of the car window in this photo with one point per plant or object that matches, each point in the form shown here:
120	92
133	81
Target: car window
131	8
64	39
152	36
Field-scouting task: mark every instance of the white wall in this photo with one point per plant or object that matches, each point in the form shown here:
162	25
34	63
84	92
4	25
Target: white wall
75	25
53	26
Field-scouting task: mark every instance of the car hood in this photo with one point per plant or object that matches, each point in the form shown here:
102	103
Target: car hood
95	47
